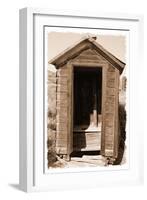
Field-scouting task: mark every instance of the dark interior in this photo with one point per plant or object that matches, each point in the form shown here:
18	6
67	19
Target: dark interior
87	95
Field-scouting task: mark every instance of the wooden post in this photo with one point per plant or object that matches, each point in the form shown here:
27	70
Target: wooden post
70	110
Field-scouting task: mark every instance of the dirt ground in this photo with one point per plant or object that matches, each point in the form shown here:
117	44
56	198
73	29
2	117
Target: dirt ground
84	161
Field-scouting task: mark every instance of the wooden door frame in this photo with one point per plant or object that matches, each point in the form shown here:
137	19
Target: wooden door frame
104	66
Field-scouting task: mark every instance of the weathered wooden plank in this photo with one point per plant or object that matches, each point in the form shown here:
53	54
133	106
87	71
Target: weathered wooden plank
110	104
109	130
89	52
109	107
89	57
61	116
62	133
92	52
63	110
52	77
109	119
108	152
62	107
62	93
63	78
92	134
110	99
109	141
87	134
61	102
62	72
52	82
62	96
61	119
90	148
109	147
61	142
61	150
111	83
104	87
87	140
111	75
116	133
61	127
52	91
94	148
71	54
111	68
62	81
110	91
62	88
52	85
89	61
70	110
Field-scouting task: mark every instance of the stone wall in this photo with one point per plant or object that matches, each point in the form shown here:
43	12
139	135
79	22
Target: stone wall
51	114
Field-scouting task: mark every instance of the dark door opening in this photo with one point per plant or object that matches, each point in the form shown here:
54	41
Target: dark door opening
87	98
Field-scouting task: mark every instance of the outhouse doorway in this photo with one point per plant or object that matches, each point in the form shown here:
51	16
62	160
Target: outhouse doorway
87	109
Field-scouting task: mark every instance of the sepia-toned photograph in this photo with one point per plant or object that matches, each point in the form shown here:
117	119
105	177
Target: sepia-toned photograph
80	100
86	99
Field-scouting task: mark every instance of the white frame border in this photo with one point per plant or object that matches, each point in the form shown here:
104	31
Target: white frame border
27	93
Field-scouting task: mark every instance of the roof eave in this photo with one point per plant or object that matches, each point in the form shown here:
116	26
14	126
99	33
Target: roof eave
83	44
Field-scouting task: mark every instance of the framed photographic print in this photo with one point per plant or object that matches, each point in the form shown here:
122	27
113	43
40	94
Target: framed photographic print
79	123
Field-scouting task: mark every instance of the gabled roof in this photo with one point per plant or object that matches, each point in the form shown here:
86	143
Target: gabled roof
80	46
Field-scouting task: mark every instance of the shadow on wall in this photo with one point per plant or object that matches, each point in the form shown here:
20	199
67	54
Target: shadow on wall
122	125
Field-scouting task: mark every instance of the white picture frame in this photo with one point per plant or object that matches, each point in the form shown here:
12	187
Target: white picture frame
33	176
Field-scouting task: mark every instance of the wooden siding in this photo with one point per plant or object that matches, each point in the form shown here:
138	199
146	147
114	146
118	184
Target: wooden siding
64	144
87	141
62	111
106	141
89	56
70	109
110	112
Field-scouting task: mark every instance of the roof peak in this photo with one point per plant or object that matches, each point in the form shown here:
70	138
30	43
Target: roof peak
91	37
82	45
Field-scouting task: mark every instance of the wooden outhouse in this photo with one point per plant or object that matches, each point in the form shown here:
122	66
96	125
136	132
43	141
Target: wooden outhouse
86	98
